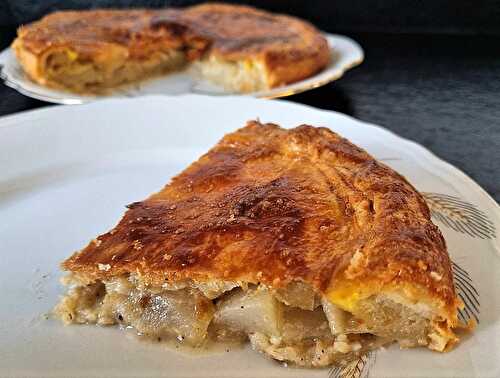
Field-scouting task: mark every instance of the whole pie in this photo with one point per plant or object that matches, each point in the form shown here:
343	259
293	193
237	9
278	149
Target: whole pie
296	240
241	48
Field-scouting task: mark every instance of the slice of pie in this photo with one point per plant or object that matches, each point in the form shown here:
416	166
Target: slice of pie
295	239
241	48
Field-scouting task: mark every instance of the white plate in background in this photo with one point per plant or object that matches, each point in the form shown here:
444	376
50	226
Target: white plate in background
67	173
345	54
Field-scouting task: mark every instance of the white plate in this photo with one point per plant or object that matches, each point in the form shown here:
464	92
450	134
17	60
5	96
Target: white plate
345	54
67	172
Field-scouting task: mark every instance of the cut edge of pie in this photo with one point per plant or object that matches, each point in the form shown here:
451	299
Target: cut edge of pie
295	239
63	68
240	48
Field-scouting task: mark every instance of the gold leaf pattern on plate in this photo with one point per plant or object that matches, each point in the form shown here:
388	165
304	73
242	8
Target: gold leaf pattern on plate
468	293
355	368
459	215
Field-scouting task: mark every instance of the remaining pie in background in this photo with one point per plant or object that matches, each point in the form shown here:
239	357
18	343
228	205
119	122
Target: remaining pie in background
294	239
241	48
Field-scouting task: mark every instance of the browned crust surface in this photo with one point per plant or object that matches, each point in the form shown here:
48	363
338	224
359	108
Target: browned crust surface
289	48
272	205
90	33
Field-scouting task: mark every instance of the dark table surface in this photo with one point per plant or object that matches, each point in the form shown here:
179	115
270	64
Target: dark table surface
440	91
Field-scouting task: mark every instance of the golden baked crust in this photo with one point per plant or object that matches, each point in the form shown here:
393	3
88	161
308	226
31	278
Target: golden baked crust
91	33
273	206
290	49
286	48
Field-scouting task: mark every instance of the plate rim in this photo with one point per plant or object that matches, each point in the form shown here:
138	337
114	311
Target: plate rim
430	156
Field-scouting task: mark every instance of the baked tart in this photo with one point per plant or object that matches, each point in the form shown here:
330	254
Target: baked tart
238	47
296	240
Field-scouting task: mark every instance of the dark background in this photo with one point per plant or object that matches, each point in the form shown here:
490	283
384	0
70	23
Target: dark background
407	16
431	71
